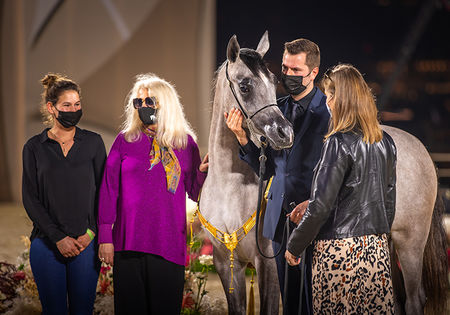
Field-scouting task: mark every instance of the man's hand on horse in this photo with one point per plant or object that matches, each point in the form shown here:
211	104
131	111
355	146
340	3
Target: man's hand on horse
205	164
234	122
291	259
297	214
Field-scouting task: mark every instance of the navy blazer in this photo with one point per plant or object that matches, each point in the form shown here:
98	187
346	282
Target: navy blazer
292	169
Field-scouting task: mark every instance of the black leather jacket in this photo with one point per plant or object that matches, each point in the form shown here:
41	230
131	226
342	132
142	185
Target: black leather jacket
353	191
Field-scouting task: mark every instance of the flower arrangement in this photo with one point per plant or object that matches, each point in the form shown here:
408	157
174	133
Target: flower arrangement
18	291
196	276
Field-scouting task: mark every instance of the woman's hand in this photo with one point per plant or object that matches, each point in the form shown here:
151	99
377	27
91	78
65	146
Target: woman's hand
69	247
234	122
106	253
297	214
205	164
291	259
85	239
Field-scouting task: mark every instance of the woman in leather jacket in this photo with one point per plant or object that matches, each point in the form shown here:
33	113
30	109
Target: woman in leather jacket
352	204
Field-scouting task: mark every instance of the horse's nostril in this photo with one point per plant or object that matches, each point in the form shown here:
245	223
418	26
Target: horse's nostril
281	133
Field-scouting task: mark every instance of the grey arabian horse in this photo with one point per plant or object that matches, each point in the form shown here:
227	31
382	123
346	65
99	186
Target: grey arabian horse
229	196
230	192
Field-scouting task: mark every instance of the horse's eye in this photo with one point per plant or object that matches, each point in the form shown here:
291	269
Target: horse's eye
244	88
244	85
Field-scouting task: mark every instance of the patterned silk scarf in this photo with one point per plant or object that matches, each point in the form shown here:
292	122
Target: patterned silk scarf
170	163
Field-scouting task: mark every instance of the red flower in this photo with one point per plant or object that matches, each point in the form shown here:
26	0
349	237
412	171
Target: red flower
207	248
19	275
188	301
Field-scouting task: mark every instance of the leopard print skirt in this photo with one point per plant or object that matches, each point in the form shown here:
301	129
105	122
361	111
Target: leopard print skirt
352	276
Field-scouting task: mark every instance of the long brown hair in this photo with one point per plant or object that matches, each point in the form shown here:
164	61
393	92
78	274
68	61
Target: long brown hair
354	104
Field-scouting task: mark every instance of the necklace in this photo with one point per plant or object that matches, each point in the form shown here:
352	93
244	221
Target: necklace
61	142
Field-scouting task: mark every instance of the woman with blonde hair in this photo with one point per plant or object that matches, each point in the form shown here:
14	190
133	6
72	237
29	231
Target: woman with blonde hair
62	171
352	204
153	163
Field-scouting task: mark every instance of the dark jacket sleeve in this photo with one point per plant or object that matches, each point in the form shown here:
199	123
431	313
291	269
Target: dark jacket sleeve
30	197
250	154
99	164
391	188
327	181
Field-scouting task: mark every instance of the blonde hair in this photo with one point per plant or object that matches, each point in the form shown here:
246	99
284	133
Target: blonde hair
354	105
54	85
173	128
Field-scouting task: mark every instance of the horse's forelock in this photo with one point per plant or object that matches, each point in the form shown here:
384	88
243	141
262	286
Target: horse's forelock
253	61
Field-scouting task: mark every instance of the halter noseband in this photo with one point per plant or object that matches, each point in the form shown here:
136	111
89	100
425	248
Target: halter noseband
237	100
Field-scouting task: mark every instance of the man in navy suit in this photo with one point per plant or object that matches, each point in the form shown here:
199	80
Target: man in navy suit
292	169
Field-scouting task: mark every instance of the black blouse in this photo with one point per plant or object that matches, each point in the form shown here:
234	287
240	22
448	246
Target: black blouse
60	193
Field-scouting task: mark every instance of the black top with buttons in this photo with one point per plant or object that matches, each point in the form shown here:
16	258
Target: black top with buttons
60	193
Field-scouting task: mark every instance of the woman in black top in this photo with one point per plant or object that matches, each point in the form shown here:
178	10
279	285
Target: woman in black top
352	205
62	169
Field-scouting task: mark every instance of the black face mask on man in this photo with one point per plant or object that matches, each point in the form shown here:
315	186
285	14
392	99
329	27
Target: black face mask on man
147	115
293	84
69	119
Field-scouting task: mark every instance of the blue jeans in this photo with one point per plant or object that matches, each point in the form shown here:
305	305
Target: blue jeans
60	280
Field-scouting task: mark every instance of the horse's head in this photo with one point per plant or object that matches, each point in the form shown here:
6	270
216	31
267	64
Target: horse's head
253	87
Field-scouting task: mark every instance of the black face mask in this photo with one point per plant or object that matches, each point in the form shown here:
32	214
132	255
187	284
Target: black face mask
293	84
69	119
147	115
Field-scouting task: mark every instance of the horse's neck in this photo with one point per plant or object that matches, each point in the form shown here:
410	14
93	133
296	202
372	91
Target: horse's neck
229	194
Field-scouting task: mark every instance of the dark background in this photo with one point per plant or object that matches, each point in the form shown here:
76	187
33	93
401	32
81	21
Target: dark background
370	35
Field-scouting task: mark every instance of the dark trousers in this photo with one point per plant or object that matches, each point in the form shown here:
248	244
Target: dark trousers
65	285
146	284
293	289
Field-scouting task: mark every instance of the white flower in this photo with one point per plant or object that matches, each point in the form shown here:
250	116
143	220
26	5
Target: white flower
206	260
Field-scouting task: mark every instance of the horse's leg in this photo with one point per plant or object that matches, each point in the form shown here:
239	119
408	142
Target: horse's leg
397	281
236	300
410	254
269	290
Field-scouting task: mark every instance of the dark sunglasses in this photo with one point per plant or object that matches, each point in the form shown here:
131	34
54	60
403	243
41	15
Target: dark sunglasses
328	73
149	101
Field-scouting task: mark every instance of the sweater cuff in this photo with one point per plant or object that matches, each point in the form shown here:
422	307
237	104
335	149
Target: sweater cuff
201	176
245	149
56	236
105	233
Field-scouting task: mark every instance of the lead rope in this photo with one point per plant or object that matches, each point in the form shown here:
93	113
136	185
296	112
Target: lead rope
262	170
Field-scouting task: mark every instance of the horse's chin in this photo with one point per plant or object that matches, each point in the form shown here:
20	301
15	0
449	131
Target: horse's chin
277	146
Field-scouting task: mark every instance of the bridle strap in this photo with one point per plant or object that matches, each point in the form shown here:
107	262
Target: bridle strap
262	109
234	92
237	100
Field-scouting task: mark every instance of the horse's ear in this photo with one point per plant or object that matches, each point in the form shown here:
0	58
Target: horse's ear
233	49
264	44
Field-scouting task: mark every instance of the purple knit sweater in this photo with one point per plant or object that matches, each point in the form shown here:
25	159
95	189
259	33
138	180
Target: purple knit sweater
136	212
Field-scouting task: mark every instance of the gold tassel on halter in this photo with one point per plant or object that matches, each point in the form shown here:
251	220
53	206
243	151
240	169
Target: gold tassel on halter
251	298
191	221
231	289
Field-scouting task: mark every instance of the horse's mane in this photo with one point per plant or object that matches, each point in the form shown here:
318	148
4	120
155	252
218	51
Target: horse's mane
214	83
